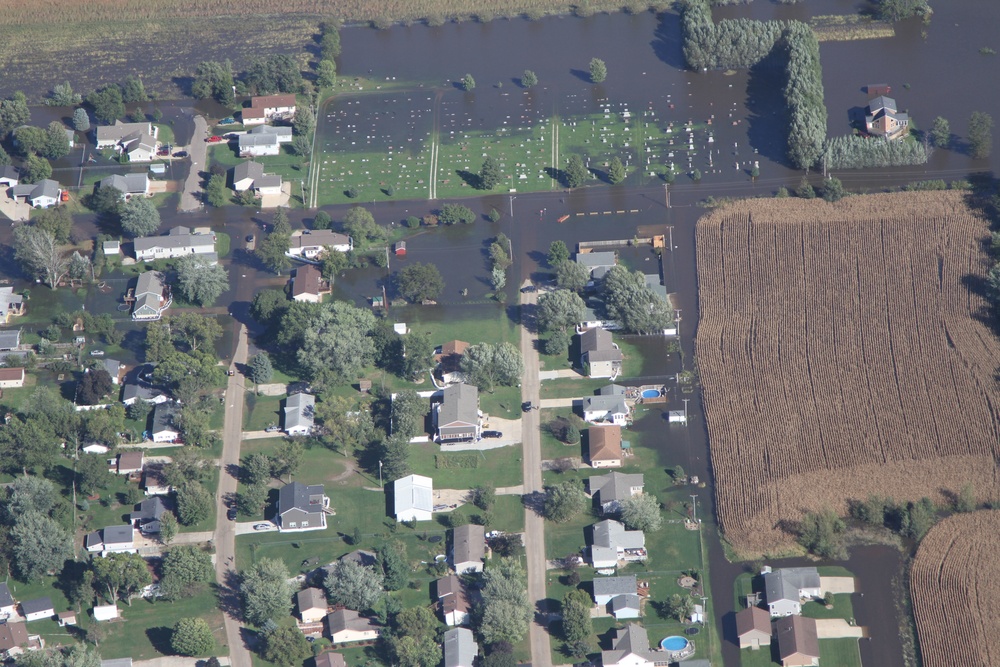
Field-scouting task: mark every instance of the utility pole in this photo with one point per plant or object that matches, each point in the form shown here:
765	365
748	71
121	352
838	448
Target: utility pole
380	474
694	506
686	410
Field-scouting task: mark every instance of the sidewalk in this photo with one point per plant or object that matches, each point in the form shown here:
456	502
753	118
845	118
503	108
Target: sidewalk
561	373
559	402
177	661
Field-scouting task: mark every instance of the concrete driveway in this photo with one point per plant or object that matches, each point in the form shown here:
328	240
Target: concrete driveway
246	527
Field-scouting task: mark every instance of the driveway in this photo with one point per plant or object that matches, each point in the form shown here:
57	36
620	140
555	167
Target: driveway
191	197
835	628
246	527
837	585
559	402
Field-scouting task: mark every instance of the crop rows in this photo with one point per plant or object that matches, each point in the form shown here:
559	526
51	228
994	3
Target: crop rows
953	582
842	354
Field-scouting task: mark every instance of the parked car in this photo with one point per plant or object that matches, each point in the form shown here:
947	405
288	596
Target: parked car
263	526
528	288
492	434
526	406
231	514
250	238
271	429
181	154
163	152
214	139
97	353
228	120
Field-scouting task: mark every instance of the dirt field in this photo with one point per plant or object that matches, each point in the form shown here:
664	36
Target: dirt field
953	582
842	354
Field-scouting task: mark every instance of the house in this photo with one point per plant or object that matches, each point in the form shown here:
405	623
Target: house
10	340
630	648
449	361
152	296
460	648
299	410
115	369
785	588
111	540
312	243
37	609
312	605
13	639
268	107
7	606
147	517
113	136
345	625
43	194
264	140
65	618
468	548
132	392
604	446
177	242
306	284
154	481
11	378
10	304
112	248
612	543
619	595
798	642
302	507
599	355
598	263
606	408
361	557
753	628
882	119
130	462
453	600
105	612
330	659
457	416
250	176
164	429
413	498
9	176
611	489
130	185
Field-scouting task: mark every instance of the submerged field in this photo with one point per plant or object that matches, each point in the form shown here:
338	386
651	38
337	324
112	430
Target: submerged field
953	583
843	352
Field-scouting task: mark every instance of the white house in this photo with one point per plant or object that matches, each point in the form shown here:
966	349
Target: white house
178	242
612	543
111	540
7	606
312	605
310	244
619	595
105	612
250	176
11	378
306	284
43	194
606	408
346	625
264	140
268	107
164	429
785	588
468	548
38	609
453	600
413	498
130	185
299	413
137	140
460	648
9	176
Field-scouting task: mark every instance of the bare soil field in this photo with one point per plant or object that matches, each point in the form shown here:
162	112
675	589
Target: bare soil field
953	584
843	352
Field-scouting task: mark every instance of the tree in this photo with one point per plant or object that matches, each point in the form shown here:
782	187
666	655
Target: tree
820	533
418	354
287	459
392	557
92	474
572	275
326	73
412	641
558	253
559	309
107	104
897	10
271	250
255	469
76	655
487	365
361	226
214	79
216	192
194	330
329	42
29	493
419	282
678	607
393	457
186	570
563	501
499	257
504	611
62	95
980	135
966	499
286	647
57	221
35	168
575	174
123	574
632	303
336	343
576	624
302	145
80	267
251	500
805	189
168	527
468	83
277	73
139	217
56	145
321	220
407	413
529	79
833	189
353	585
81	121
199	280
193	636
558	343
490	174
616	171
940	132
133	90
38	545
95	385
265	591
14	112
29	140
641	512
261	369
453	214
194	504
598	70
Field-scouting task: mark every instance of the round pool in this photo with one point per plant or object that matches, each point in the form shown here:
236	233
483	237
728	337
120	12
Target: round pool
674	643
650	393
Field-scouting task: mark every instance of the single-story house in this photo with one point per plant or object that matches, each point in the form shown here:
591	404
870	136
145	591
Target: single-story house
111	540
147	517
7	606
613	543
312	243
753	628
330	659
606	409
599	354
111	136
361	557
10	339
130	462
115	369
11	378
164	429
598	263
65	618
883	119
468	548
264	140
449	360
453	600
43	194
132	392
346	625
130	185
604	446
619	595
611	489
460	648
10	304
13	639
312	605
299	410
625	606
798	641
9	176
306	284
268	107
413	498
630	648
105	612
785	588
457	416
154	481
177	242
301	507
250	176
37	609
152	297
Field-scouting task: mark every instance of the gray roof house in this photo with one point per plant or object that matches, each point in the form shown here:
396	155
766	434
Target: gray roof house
606	409
460	648
151	296
598	263
785	588
619	595
10	339
147	517
6	599
164	429
457	416
299	410
245	173
177	242
346	625
413	498
625	606
630	646
43	194
129	184
132	392
468	548
312	605
611	489
361	557
612	543
38	609
599	354
112	539
301	507
9	176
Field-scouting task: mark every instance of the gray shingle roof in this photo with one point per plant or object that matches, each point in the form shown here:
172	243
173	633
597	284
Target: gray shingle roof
299	496
299	409
785	583
615	485
460	648
149	282
612	534
127	184
460	406
36	605
470	543
249	169
150	508
163	417
6	599
625	585
612	404
117	535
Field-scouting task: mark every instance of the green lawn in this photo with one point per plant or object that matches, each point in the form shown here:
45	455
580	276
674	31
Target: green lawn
832	652
504	402
262	411
571	387
507	513
463	470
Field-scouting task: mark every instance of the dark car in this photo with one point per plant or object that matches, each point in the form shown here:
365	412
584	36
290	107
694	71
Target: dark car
526	406
231	514
528	289
492	434
181	154
250	238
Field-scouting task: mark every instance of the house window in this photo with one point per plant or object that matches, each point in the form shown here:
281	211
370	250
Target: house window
305	524
292	524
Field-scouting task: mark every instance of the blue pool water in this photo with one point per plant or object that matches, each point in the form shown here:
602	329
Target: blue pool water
650	393
674	643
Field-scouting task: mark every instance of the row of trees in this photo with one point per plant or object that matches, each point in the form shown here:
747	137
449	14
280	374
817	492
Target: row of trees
856	152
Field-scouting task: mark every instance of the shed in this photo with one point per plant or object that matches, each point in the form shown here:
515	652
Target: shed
105	612
400	249
66	618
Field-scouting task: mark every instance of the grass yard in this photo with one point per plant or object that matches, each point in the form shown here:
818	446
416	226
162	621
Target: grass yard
833	652
507	514
463	470
261	412
571	387
552	447
504	402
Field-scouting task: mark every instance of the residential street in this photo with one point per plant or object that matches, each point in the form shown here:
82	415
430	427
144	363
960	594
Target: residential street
225	530
534	525
198	154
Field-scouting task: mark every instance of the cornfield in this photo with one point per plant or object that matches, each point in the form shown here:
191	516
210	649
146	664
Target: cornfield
952	582
843	353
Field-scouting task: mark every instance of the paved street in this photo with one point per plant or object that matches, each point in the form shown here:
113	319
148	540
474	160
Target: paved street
198	154
225	530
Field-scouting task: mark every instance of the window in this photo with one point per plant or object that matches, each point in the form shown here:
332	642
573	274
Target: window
292	524
305	524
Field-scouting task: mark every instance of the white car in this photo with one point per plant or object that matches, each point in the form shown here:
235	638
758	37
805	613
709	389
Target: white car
263	526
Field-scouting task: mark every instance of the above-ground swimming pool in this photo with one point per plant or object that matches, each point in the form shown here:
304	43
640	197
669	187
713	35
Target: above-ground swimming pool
650	393
674	643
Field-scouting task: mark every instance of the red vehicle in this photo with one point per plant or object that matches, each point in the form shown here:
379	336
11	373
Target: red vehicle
214	139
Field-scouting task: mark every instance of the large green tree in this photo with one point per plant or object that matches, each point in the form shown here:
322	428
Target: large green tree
980	135
286	647
505	610
215	80
354	585
559	309
632	303
107	104
192	636
577	626
336	343
641	512
563	501
123	574
186	570
487	365
576	173
194	504
265	591
598	70
139	217
412	640
199	280
491	174
419	282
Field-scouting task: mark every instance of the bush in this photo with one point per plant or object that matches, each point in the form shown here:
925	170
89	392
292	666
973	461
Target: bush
855	152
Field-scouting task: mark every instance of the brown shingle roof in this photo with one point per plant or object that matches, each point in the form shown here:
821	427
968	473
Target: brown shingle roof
797	638
330	659
751	619
272	101
605	443
12	635
306	280
130	460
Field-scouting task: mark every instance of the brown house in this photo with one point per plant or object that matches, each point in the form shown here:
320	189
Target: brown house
605	446
330	659
753	628
798	642
306	284
450	360
884	120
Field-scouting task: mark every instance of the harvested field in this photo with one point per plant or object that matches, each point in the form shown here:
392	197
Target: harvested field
953	584
842	353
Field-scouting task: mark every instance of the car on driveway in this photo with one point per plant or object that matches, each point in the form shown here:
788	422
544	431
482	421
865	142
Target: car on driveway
214	139
492	434
271	429
528	289
263	526
181	154
231	514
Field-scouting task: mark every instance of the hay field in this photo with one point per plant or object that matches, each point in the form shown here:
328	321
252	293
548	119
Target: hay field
842	354
953	585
